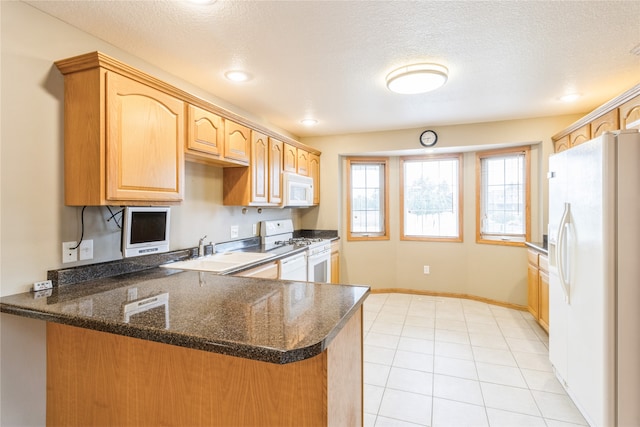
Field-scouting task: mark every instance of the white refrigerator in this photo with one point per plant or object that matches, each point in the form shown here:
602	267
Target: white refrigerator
594	276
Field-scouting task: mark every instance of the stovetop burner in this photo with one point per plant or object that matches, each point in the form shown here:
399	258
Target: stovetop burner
298	241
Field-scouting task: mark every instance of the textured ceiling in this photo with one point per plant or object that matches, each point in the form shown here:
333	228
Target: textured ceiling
328	59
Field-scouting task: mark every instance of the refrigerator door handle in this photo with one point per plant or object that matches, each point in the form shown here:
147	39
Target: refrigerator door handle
562	258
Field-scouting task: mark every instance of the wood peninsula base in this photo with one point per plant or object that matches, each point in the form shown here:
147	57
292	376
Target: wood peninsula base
97	378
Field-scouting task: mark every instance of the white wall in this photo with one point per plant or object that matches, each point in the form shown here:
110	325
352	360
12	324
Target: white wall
490	271
34	220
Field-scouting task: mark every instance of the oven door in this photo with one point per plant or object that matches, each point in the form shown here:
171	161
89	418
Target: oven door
319	266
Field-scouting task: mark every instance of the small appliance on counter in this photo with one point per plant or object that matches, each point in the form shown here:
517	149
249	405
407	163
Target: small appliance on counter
145	230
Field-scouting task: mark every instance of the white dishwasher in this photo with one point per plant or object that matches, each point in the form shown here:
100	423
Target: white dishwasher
294	267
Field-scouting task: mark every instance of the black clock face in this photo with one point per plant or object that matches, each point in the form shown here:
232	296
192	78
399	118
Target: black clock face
428	138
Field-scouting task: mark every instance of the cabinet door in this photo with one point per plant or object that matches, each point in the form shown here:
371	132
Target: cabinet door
544	300
267	271
303	162
237	142
144	144
314	172
630	114
205	133
579	136
335	262
561	144
276	157
259	168
604	123
532	291
290	158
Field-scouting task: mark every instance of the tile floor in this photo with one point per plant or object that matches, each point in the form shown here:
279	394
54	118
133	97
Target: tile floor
435	361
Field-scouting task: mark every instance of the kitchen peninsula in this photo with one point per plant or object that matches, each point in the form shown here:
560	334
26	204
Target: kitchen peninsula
171	347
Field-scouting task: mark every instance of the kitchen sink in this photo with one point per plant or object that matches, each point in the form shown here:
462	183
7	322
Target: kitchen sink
220	263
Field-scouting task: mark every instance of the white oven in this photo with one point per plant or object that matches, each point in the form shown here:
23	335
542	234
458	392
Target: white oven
319	262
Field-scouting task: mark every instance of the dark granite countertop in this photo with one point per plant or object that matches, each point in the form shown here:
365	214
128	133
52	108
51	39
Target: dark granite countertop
268	320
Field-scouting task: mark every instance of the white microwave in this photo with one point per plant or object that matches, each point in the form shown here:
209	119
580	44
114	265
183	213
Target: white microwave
297	190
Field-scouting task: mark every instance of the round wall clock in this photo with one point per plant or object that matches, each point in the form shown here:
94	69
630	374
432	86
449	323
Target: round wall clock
428	138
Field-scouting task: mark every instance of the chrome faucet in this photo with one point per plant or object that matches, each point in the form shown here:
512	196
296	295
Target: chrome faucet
201	246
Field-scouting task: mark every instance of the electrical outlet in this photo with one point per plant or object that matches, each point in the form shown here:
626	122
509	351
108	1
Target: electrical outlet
69	254
254	229
86	250
235	231
426	269
45	284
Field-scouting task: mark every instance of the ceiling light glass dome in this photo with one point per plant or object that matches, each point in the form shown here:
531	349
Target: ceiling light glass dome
417	78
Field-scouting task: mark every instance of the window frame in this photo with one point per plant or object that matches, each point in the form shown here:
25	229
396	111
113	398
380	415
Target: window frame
526	150
385	235
449	156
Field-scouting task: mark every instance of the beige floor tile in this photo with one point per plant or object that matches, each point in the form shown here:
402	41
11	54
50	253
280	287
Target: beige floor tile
411	381
411	360
411	407
416	345
375	374
380	355
509	398
499	418
493	355
499	374
455	350
448	413
455	367
458	389
558	407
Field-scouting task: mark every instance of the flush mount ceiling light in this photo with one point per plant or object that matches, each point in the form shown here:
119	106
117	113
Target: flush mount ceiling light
417	78
309	122
570	97
237	76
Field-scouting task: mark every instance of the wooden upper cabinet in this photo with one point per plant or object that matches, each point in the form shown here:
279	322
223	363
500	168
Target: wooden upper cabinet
314	172
259	184
606	123
237	142
303	162
290	158
145	142
579	136
205	135
630	114
123	136
276	158
259	168
561	144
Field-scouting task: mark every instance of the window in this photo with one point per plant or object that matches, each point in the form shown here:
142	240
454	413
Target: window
431	200
368	201
502	196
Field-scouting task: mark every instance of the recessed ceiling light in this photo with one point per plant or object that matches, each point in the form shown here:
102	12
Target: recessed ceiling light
237	76
570	97
417	78
309	122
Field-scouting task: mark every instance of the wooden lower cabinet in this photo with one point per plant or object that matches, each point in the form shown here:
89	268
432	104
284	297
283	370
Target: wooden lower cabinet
97	378
538	287
335	261
266	271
